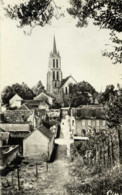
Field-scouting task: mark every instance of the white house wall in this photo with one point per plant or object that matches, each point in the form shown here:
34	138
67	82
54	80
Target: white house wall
69	81
15	101
35	145
88	124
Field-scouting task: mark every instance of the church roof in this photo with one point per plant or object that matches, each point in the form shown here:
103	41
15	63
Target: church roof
54	46
66	79
54	53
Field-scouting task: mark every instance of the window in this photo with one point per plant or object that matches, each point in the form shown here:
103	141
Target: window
93	123
66	89
57	76
83	131
104	123
53	63
97	123
53	75
83	123
57	63
100	122
89	122
70	88
55	84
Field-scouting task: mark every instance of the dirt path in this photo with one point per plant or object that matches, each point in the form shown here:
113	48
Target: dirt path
58	174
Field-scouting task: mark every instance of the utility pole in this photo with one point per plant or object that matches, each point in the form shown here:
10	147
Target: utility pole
18	178
36	170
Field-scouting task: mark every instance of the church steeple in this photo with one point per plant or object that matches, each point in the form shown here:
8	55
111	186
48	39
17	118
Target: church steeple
54	46
54	75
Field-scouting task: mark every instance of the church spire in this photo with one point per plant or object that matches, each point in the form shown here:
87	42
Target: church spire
54	46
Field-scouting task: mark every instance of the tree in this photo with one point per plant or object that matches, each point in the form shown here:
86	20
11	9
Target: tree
56	104
113	110
106	14
7	94
31	12
80	94
105	96
116	53
113	114
22	90
37	89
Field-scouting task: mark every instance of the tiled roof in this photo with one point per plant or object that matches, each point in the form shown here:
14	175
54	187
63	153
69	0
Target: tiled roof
33	103
17	116
24	107
45	131
89	112
42	94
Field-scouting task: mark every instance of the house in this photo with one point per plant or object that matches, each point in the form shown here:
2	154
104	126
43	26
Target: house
41	114
17	116
24	107
39	143
32	104
77	123
87	119
17	132
66	127
64	112
36	118
43	106
36	104
43	96
15	101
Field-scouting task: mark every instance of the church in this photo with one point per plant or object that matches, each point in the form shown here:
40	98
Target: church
56	85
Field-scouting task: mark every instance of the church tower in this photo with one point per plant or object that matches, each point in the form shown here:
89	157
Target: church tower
54	74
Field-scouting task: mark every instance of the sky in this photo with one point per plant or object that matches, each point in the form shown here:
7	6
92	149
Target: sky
24	58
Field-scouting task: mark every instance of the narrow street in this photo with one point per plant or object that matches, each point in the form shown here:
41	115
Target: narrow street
57	175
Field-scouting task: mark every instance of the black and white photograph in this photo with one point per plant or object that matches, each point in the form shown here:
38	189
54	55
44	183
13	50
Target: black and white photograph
60	97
